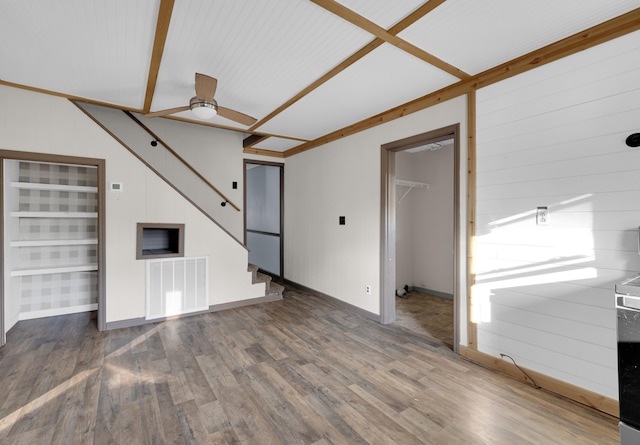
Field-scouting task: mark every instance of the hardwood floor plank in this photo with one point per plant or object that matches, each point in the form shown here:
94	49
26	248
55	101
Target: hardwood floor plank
87	411
171	427
192	427
66	423
214	418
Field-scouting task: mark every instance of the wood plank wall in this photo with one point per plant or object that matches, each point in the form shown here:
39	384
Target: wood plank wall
554	137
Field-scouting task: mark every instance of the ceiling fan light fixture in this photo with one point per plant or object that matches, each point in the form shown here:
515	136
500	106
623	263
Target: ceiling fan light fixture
203	109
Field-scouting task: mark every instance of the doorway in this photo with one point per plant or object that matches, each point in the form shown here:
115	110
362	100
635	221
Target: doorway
420	190
264	211
53	237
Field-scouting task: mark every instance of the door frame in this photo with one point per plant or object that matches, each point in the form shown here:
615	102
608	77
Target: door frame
388	221
101	229
244	174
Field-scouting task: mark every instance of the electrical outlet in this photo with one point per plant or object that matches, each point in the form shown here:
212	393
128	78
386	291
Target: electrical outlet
367	289
542	216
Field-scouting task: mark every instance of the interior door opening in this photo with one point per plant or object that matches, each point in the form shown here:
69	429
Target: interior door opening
52	237
264	186
420	208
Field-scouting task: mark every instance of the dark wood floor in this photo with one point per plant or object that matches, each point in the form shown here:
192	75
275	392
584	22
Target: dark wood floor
297	371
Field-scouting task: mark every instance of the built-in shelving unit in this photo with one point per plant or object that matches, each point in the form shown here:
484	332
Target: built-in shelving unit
51	223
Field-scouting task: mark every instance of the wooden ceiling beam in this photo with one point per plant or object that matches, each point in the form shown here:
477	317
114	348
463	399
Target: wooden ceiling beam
252	140
263	152
593	36
162	29
381	33
416	15
397	28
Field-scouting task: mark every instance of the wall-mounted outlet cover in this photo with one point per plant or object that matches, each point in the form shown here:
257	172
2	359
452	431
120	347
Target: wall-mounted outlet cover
367	289
542	216
116	186
342	220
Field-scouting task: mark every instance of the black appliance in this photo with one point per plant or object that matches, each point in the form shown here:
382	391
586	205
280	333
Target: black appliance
628	315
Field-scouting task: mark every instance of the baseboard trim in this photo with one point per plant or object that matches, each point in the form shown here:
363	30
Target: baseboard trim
343	304
241	303
435	293
575	393
129	323
133	322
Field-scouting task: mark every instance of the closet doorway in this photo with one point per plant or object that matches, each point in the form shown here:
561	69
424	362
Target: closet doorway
52	237
420	208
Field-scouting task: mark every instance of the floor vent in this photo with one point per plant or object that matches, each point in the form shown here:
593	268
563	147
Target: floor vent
177	286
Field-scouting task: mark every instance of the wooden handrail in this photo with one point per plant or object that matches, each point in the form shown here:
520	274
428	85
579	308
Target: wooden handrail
181	159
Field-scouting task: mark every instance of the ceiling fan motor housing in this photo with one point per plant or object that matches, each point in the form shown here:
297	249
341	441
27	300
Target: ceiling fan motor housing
196	102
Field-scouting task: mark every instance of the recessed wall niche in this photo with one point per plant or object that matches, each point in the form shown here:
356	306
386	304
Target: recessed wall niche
155	240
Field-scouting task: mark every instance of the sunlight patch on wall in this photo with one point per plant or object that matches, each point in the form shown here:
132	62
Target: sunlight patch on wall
516	253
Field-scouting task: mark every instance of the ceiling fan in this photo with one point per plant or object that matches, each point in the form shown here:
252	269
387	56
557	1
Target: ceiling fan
204	106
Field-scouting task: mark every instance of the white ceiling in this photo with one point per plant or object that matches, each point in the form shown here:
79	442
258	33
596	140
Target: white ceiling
264	54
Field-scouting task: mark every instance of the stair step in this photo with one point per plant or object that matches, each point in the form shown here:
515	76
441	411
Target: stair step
270	288
275	289
263	277
254	270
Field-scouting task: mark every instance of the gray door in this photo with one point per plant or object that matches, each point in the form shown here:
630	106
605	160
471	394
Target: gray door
263	213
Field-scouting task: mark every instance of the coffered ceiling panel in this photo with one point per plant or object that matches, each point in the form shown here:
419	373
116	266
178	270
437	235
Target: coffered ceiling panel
476	36
262	53
95	50
303	68
384	79
277	144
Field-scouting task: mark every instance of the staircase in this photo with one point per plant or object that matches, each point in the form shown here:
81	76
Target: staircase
272	290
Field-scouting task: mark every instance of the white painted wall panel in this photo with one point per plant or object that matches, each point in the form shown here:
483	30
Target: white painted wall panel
555	137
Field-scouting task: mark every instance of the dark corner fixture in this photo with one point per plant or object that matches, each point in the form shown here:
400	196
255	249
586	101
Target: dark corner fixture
634	140
154	143
223	203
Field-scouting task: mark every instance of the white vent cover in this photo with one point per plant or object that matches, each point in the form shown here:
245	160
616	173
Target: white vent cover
177	286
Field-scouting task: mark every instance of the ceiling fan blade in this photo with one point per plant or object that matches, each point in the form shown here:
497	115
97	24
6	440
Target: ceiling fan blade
236	116
205	87
168	111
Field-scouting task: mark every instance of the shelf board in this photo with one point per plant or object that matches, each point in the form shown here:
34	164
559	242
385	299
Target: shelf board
54	214
51	270
58	311
54	242
59	187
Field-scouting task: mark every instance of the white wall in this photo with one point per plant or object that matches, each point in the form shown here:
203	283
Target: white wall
342	178
217	155
39	123
555	137
405	221
424	221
